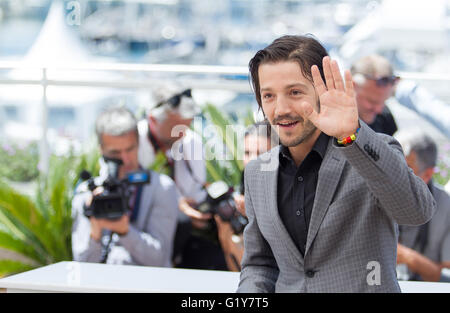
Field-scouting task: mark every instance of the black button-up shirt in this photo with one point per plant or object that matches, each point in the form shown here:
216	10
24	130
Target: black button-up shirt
297	189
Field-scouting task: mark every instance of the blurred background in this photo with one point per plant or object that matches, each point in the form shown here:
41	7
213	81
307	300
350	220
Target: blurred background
61	62
86	54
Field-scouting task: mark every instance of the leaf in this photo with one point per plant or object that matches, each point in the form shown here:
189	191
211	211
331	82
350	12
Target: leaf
16	229
231	140
9	267
9	242
214	171
249	119
229	136
40	228
24	211
160	164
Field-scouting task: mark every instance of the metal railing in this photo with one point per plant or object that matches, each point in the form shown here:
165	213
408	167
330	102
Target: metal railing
220	72
232	78
219	79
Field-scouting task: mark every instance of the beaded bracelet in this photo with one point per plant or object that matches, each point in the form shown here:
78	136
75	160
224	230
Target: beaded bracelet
348	139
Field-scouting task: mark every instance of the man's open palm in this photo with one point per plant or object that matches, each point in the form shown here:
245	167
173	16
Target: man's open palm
338	116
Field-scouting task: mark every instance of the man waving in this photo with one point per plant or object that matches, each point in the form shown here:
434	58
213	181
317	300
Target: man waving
323	207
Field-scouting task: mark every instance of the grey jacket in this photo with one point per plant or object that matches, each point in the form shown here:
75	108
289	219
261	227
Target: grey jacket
363	191
150	238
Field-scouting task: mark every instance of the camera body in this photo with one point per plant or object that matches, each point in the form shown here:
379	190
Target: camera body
112	203
220	201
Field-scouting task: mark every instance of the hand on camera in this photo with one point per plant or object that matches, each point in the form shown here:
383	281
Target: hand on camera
240	204
97	191
199	220
229	246
119	226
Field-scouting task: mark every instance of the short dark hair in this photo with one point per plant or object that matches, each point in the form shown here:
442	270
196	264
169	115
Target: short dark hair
305	50
422	144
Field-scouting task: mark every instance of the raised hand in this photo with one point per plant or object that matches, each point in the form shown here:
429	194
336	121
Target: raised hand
338	116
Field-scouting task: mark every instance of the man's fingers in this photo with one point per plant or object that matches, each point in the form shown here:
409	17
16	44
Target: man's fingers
97	191
337	77
349	84
193	213
206	216
317	79
105	223
220	223
327	73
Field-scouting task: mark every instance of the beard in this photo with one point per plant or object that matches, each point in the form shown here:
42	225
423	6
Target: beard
308	129
307	132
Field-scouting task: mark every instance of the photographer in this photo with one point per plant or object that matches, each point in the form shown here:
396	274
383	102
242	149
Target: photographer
257	140
425	249
165	132
144	234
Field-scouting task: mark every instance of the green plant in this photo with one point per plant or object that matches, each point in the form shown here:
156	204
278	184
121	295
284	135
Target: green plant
19	162
442	169
160	164
39	229
227	169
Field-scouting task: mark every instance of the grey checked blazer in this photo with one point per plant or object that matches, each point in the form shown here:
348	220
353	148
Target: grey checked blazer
363	191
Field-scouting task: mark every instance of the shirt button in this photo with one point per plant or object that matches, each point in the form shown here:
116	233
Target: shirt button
300	178
298	213
310	273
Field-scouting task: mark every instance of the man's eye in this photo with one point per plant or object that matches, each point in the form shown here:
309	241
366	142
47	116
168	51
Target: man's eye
296	92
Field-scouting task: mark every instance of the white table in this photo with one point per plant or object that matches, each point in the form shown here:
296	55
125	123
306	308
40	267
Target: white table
424	287
91	277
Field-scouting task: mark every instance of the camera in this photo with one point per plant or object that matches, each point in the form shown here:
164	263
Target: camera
220	201
112	203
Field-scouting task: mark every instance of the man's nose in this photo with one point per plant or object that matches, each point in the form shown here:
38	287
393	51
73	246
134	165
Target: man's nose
282	106
125	157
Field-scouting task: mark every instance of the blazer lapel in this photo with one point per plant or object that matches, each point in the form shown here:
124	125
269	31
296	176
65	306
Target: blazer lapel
329	175
271	181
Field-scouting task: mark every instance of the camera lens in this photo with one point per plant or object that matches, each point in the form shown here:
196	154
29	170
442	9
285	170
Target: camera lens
225	210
